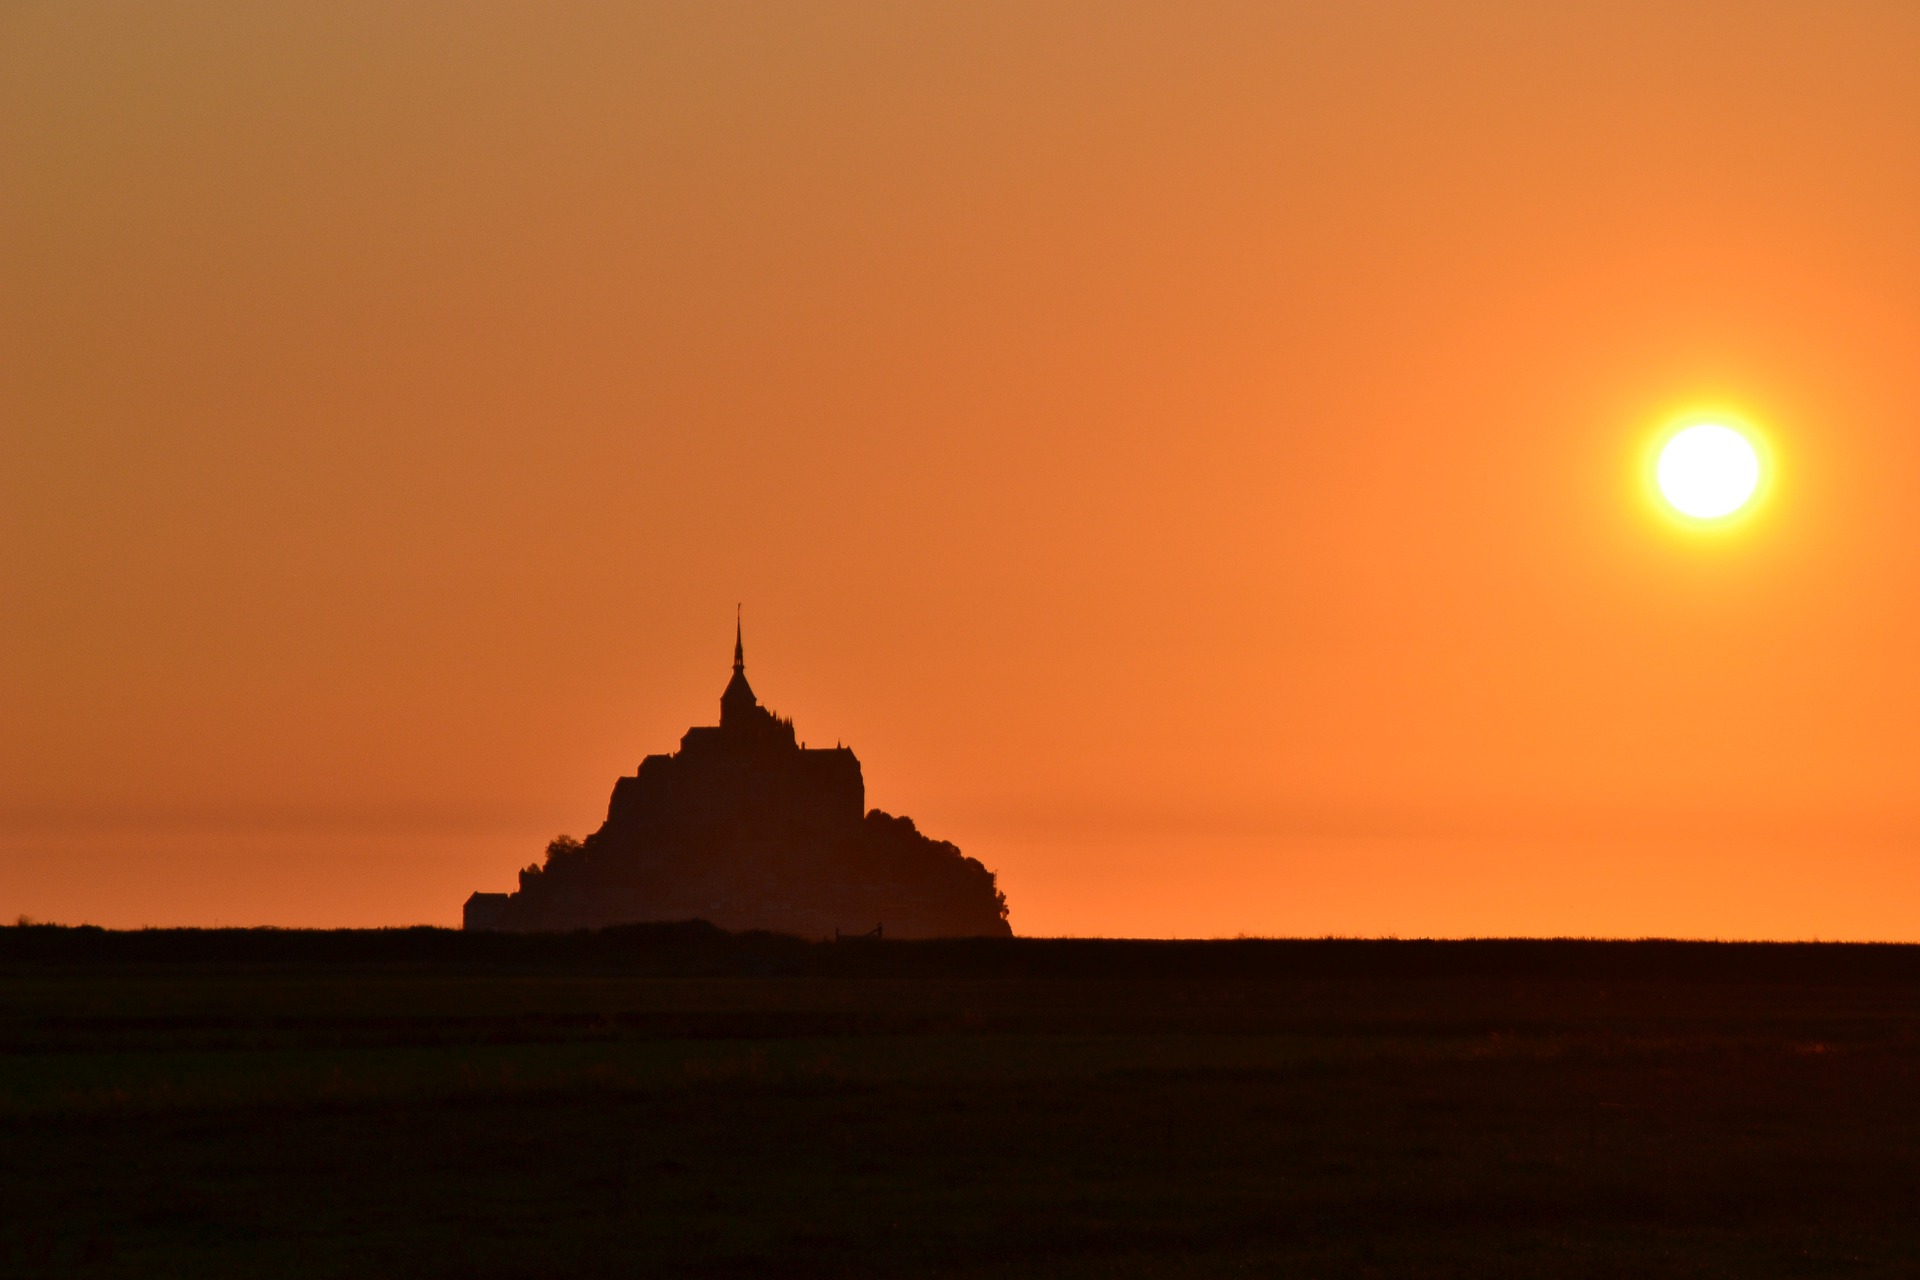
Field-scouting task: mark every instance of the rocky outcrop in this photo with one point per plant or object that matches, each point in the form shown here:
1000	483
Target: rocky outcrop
747	829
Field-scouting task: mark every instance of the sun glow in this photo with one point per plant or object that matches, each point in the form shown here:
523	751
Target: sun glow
1708	471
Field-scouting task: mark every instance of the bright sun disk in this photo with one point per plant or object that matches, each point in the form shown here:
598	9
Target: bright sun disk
1708	471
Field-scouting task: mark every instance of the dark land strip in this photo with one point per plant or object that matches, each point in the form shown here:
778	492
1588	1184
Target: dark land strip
672	1100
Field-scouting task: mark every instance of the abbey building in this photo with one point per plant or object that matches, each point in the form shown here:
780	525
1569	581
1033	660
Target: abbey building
747	829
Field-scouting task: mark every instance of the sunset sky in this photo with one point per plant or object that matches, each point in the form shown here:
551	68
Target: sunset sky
1193	453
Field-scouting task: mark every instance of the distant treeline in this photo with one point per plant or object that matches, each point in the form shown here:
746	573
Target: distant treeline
697	949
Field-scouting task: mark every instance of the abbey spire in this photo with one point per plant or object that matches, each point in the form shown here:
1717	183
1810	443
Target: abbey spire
738	706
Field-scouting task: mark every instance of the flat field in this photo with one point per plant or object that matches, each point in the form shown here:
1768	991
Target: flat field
672	1101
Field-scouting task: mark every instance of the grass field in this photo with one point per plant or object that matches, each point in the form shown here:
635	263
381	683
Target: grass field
424	1104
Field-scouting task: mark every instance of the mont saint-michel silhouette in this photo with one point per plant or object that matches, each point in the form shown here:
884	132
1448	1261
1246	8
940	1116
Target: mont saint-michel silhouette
745	828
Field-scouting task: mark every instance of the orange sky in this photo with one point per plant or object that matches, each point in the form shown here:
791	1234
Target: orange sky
1188	451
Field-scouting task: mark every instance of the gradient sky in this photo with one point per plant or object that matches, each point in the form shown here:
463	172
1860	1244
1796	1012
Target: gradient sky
1189	451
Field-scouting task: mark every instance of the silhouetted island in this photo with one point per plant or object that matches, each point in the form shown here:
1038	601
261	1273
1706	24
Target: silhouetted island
747	829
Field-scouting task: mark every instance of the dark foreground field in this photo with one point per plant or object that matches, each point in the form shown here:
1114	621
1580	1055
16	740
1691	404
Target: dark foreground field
676	1102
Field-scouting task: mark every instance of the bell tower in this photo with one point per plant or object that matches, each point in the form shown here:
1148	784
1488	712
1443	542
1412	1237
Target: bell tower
738	706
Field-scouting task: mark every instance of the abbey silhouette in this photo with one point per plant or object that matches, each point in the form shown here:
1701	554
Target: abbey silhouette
747	829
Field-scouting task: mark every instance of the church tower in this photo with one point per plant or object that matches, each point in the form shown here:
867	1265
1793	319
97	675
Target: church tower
738	707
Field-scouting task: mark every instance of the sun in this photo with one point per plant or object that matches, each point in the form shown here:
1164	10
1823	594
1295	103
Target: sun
1708	471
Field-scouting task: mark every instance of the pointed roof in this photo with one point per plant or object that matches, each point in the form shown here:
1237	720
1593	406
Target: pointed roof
738	704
